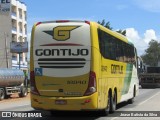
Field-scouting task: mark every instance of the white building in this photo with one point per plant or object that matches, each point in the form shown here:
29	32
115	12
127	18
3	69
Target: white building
13	28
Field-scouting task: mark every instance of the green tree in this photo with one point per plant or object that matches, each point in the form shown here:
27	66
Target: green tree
123	32
152	53
108	25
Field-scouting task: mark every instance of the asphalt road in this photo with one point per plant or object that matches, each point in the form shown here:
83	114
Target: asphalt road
147	104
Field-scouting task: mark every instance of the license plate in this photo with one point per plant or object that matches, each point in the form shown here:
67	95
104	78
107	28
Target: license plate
60	102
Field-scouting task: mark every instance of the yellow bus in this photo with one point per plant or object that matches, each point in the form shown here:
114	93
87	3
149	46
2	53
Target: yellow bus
81	65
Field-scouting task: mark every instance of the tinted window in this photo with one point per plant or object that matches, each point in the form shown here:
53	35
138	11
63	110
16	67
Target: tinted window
115	49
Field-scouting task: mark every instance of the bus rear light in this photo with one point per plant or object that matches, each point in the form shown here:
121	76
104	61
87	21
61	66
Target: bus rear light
87	101
91	84
33	85
87	22
38	23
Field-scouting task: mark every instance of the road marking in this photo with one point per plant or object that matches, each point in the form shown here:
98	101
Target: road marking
114	118
139	104
148	99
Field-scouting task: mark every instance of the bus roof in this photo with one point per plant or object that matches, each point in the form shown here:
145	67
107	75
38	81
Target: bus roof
114	33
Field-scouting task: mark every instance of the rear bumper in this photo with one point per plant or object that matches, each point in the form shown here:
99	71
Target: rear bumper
73	103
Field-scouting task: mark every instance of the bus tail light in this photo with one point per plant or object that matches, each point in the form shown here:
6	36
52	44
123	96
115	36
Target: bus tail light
87	22
38	23
87	101
33	85
92	87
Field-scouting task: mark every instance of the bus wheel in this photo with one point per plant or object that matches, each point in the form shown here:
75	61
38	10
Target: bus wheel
113	102
2	94
105	112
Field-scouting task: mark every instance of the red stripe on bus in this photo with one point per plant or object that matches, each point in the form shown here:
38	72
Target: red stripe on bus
62	44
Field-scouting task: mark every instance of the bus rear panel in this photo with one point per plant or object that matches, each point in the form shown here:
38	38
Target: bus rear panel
61	76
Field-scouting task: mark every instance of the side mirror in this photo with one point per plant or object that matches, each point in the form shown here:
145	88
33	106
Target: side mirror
140	65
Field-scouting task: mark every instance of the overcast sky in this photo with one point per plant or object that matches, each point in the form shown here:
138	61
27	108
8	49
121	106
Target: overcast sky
141	18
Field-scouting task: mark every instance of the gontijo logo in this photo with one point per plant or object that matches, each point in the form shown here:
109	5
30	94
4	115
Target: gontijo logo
61	33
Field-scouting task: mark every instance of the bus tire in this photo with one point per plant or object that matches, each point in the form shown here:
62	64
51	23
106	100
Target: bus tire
2	94
113	102
105	112
24	92
131	101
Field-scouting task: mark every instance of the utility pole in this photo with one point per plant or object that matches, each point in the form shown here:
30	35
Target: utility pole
19	59
6	50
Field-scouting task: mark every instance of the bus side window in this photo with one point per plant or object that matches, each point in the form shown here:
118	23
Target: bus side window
101	42
113	48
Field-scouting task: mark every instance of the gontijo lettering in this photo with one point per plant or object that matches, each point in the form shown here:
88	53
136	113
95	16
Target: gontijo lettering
61	52
116	69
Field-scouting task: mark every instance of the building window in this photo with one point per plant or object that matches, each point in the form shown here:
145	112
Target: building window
14	58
